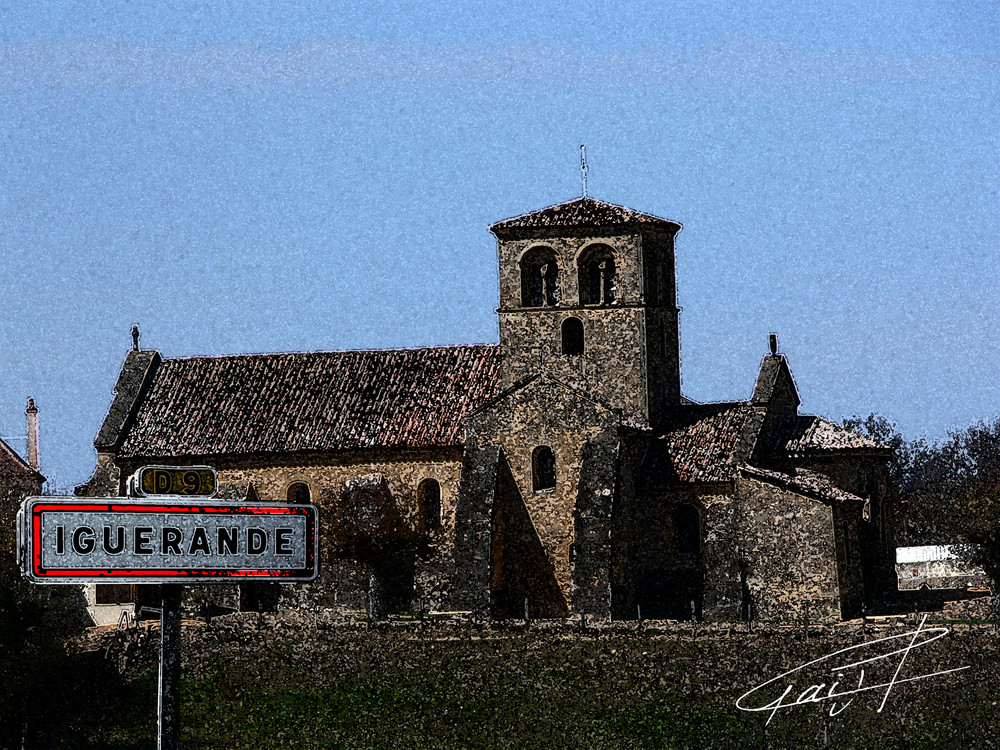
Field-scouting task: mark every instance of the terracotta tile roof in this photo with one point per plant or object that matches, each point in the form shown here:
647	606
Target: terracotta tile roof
810	434
583	212
701	443
811	486
312	401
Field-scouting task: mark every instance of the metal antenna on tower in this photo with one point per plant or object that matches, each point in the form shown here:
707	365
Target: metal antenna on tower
583	168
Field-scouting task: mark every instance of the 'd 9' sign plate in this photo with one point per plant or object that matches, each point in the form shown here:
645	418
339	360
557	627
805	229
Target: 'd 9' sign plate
190	481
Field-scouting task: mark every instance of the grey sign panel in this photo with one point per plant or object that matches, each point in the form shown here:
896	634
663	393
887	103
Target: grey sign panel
165	540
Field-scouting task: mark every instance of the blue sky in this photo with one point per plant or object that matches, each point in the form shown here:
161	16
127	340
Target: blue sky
274	177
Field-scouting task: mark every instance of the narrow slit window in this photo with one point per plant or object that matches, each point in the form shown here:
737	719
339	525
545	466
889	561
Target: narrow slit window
687	527
429	505
572	336
543	466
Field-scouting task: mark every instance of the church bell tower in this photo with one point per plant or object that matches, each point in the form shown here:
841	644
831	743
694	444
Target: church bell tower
588	297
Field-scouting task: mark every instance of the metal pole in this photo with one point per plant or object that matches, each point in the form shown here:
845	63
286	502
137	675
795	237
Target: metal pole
169	697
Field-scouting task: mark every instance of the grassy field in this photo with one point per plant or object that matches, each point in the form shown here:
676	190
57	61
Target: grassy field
462	687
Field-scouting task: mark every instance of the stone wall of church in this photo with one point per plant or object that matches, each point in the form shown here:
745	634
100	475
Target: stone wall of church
653	573
591	553
612	365
663	370
471	578
868	478
778	550
666	550
422	563
547	524
662	324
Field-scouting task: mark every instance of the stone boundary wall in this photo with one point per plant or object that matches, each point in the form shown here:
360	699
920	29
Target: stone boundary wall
134	649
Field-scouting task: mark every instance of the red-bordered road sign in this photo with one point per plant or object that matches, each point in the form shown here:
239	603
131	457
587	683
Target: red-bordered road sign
165	540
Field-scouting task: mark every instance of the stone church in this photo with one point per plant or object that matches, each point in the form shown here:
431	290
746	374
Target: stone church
558	473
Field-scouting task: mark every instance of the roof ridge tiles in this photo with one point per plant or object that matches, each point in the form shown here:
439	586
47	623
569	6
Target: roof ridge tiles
317	352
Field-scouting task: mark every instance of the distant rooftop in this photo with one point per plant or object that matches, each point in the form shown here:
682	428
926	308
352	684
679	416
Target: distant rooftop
13	465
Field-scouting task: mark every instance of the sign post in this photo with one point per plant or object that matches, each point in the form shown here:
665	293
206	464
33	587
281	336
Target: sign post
172	534
168	700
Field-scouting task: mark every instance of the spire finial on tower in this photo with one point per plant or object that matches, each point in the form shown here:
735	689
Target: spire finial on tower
583	168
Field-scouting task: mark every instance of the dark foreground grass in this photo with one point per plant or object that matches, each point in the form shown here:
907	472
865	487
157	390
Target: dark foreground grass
454	689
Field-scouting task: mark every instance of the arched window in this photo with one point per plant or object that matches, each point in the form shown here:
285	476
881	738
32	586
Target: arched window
298	494
543	468
539	278
598	280
429	505
687	528
572	336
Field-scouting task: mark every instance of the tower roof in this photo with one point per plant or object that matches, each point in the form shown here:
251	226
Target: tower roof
583	213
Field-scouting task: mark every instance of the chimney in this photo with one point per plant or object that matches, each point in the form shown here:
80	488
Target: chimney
31	417
773	341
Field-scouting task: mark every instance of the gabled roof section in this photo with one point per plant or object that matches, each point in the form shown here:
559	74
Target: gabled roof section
588	213
13	466
816	487
312	401
542	377
775	378
136	372
807	434
702	443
